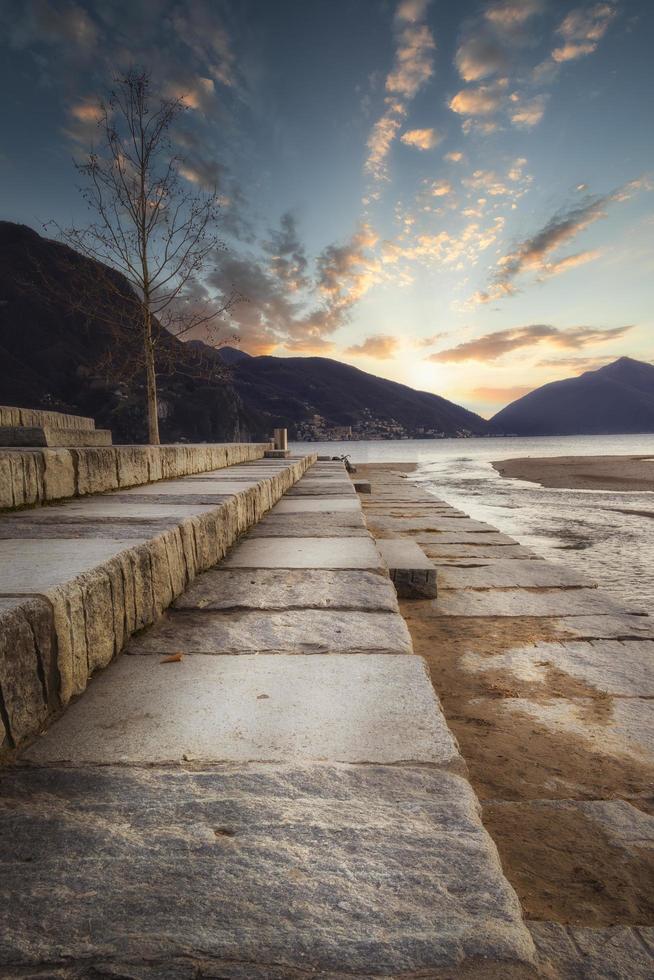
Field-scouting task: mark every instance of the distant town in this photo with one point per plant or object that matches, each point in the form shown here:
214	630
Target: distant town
368	427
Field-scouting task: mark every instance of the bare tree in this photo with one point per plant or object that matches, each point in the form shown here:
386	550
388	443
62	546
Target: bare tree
148	225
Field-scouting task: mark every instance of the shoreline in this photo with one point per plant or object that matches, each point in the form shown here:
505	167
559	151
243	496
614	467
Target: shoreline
621	473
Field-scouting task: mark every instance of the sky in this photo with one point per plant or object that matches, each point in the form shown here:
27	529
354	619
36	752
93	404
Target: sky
456	196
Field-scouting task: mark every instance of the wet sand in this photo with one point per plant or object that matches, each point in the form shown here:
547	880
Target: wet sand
582	472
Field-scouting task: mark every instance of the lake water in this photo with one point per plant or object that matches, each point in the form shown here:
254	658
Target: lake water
584	529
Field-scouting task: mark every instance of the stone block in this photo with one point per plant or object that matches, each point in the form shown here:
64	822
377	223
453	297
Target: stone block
620	625
259	871
610	953
317	505
363	709
49	436
277	454
28	673
526	602
306	553
412	573
525	574
37	417
307	588
292	631
362	486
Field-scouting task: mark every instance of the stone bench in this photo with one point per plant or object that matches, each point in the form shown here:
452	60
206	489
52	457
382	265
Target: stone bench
412	573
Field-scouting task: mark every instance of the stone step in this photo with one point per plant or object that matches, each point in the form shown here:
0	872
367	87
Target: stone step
412	573
46	435
30	477
79	577
10	416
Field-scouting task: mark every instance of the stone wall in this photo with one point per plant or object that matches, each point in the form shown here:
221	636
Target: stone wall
29	477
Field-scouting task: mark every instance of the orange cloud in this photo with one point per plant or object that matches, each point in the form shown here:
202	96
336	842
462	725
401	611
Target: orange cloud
421	139
494	345
500	396
86	112
381	346
481	101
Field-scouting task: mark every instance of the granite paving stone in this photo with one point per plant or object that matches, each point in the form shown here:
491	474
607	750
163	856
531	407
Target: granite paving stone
305	553
610	953
525	574
315	505
309	631
379	871
255	708
525	602
618	626
264	588
616	667
23	568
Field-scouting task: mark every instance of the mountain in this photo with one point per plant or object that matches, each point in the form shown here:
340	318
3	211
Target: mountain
53	355
313	395
617	398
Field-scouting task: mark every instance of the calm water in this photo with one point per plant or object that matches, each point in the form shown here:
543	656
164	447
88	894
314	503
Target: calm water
585	529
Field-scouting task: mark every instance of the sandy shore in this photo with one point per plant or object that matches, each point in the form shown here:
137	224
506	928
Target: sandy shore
582	472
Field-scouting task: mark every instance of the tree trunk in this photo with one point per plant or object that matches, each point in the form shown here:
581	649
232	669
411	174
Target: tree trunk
151	384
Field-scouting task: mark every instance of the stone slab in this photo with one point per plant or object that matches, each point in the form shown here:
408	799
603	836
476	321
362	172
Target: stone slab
479	554
215	486
32	566
618	626
362	486
316	505
362	709
316	528
277	454
471	538
263	588
295	631
113	529
44	417
339	521
526	602
426	523
257	872
618	668
611	953
322	488
627	729
525	574
53	436
109	507
412	573
305	553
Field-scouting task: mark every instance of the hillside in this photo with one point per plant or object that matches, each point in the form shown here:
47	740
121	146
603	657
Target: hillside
618	398
53	356
313	395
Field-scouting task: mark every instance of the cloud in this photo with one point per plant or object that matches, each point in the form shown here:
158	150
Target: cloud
483	100
581	31
478	57
412	68
529	113
421	139
455	157
535	253
441	188
286	255
381	346
494	345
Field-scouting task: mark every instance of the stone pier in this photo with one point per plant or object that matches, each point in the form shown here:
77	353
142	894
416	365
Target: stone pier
263	785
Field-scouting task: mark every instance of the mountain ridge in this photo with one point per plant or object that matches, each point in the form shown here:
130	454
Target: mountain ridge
615	399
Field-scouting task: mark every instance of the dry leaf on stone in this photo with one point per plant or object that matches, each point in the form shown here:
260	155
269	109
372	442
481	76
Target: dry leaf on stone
174	658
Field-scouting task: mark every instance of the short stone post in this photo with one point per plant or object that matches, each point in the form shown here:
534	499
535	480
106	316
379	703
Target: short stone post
281	439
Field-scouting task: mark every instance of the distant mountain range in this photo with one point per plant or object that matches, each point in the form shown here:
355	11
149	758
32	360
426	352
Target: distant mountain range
615	399
52	356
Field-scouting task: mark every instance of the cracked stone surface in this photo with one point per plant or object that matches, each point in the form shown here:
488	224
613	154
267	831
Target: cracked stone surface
359	708
310	631
380	871
308	588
